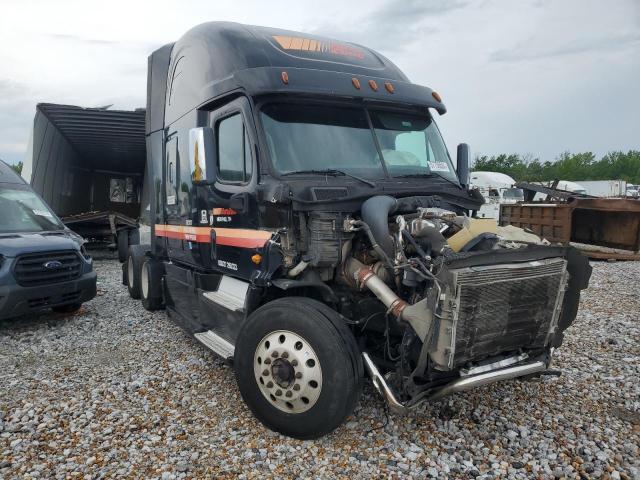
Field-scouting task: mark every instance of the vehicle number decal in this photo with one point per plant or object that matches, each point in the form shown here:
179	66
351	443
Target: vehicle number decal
229	265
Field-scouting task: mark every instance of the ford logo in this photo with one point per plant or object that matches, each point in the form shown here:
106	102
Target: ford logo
52	265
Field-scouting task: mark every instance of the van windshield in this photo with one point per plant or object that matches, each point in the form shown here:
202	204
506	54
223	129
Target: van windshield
316	139
23	211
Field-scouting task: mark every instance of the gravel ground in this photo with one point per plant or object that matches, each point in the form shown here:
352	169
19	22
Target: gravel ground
117	391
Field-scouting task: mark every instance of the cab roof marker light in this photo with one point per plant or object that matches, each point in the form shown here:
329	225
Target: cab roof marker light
389	87
285	78
437	96
356	83
373	85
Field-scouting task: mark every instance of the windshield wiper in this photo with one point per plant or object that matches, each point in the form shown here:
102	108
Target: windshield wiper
418	175
426	175
333	172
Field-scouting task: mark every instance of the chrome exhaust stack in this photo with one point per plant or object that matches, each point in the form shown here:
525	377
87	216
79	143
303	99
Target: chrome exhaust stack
458	385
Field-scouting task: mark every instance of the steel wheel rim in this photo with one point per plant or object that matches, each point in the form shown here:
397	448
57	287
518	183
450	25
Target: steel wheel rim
283	354
130	271
144	280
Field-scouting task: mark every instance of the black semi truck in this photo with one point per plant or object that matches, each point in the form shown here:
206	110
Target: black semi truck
309	226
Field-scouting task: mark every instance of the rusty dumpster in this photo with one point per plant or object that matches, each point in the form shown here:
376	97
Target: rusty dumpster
605	222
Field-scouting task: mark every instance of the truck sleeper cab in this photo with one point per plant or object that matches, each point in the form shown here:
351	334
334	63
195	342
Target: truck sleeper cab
309	226
42	263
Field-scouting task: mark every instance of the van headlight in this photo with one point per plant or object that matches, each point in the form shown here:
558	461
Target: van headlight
84	253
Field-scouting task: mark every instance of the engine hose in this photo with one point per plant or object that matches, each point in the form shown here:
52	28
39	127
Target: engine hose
407	236
374	244
375	213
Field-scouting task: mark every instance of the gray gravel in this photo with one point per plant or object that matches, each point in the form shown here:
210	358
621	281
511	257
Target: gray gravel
117	391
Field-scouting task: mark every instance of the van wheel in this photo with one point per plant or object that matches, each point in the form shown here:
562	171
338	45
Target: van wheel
135	257
123	245
298	367
151	285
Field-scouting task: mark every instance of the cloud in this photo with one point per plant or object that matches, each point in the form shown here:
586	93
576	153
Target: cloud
79	39
532	50
392	26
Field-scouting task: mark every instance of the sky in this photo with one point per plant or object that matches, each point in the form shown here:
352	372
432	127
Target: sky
533	77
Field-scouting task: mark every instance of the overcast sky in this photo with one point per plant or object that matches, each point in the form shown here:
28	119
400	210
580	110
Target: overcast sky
533	77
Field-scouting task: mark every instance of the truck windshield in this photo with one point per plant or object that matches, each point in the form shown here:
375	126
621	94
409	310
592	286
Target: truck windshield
314	139
23	211
514	193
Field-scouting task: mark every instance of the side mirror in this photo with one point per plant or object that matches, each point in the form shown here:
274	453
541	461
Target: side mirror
202	155
463	160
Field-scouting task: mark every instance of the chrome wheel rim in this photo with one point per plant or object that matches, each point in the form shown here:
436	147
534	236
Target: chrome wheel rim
288	371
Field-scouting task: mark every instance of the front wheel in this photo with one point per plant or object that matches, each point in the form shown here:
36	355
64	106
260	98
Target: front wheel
298	367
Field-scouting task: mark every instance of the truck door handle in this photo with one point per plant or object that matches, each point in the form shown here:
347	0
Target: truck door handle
214	253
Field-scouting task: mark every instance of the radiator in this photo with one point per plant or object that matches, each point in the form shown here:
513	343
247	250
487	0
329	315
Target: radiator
504	308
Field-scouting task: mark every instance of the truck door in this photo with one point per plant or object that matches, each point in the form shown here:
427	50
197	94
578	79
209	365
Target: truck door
172	217
236	231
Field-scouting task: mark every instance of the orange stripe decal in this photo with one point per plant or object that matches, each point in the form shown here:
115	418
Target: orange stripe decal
233	237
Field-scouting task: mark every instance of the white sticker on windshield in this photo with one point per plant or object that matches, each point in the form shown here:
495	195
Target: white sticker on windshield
43	213
438	166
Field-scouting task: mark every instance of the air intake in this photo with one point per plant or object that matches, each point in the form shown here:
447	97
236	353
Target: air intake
328	193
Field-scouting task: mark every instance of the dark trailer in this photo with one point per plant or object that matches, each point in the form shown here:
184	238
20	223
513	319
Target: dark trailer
88	164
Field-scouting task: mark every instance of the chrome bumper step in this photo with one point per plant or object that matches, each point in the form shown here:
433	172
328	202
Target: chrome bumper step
215	342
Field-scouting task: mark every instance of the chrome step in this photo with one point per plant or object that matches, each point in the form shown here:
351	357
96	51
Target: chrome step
216	343
231	294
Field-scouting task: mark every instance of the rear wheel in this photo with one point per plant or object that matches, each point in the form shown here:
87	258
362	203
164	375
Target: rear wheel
134	236
298	367
123	245
151	285
135	258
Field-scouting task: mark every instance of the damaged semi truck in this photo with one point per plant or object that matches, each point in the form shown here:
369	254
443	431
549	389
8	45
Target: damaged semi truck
310	227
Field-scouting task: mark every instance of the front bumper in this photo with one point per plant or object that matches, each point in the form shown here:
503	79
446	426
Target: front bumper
16	300
458	385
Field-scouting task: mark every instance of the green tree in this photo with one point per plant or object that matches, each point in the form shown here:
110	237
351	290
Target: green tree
17	167
579	166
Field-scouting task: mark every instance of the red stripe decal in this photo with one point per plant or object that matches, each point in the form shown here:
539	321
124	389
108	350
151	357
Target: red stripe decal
233	237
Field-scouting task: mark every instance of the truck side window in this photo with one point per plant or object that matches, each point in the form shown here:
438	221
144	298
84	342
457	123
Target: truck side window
234	151
172	159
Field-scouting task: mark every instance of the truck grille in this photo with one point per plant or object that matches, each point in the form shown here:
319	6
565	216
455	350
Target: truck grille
507	307
44	268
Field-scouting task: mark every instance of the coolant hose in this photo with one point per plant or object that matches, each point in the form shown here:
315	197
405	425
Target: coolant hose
375	213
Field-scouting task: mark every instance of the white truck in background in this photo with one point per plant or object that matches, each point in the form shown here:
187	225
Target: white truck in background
633	191
496	188
605	188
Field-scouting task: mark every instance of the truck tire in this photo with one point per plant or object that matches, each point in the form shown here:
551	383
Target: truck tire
135	257
151	285
134	236
298	367
123	245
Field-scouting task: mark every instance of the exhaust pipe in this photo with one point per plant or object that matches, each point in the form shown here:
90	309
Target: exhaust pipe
418	315
458	385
